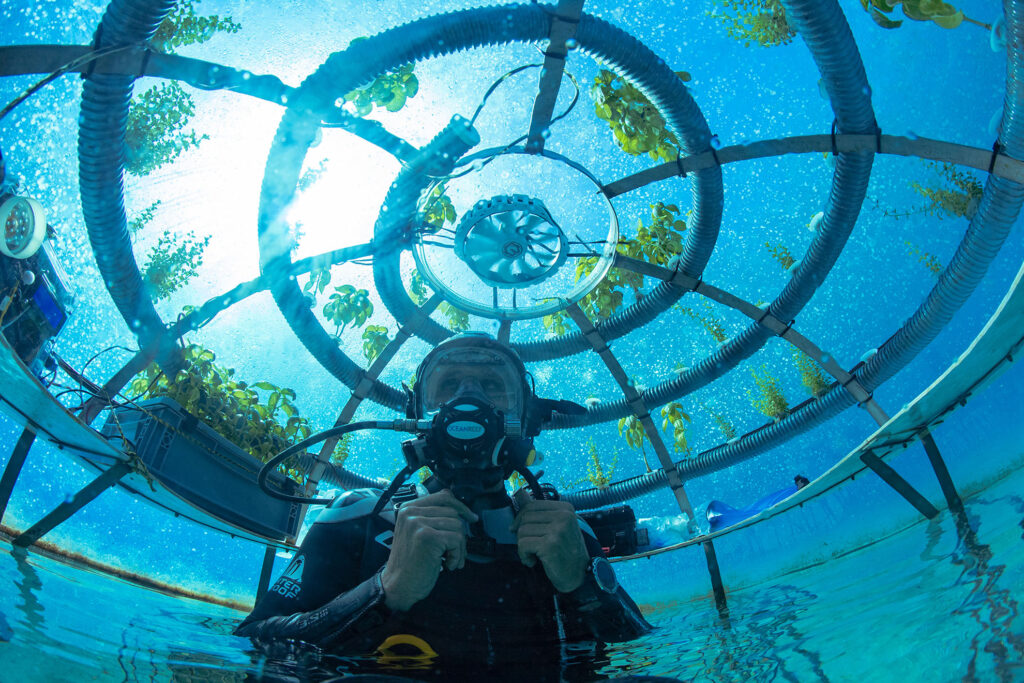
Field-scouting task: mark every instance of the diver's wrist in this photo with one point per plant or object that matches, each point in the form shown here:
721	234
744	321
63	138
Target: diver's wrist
394	598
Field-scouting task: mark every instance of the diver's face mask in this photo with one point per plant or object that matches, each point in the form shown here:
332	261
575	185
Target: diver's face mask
481	373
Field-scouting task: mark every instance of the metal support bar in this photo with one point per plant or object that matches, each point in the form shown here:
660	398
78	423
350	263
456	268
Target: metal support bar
939	466
65	510
898	484
505	331
268	567
13	469
636	402
563	28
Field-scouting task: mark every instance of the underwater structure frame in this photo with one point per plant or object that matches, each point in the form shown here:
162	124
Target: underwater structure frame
497	241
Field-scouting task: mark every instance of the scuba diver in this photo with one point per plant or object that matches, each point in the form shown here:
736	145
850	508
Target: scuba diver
453	567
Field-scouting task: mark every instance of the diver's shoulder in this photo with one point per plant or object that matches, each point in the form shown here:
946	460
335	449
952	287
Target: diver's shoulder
350	505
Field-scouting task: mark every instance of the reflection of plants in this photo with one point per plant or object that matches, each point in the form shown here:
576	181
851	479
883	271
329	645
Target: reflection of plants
172	263
781	254
143	218
154	132
728	430
633	430
929	260
230	406
375	338
936	11
674	415
769	399
599	473
961	202
636	124
183	27
348	306
757	21
811	376
714	325
390	90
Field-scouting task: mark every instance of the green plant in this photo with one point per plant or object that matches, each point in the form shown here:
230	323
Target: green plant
439	210
811	376
674	415
555	322
599	473
781	254
417	288
375	338
928	260
155	131
762	22
727	428
390	90
143	218
935	11
959	199
348	306
714	325
172	263
636	124
319	278
633	430
769	399
183	27
458	319
230	406
341	450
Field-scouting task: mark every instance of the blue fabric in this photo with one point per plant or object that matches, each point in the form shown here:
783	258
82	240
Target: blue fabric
721	515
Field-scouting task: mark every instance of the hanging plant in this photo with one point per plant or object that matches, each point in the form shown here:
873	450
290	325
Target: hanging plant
375	338
230	406
458	319
310	176
674	415
599	471
172	263
960	198
762	22
184	27
811	375
768	399
711	323
636	124
781	254
142	219
389	91
938	12
633	431
319	278
929	261
439	210
348	306
726	427
155	130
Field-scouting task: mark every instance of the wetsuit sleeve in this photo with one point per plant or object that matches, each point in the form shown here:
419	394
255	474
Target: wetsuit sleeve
591	612
325	596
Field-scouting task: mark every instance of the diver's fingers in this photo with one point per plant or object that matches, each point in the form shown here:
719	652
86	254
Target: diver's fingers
443	499
529	548
449	547
539	529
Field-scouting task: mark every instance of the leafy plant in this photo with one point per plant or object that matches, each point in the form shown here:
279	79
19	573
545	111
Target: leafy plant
439	210
633	430
811	376
935	11
555	322
230	406
143	218
762	22
599	473
172	263
184	27
636	124
674	415
341	450
959	199
714	325
310	176
929	260
781	254
390	90
319	278
727	428
458	319
769	399
155	131
348	306
375	338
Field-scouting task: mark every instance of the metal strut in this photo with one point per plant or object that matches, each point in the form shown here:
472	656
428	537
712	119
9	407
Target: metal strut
13	469
899	484
563	27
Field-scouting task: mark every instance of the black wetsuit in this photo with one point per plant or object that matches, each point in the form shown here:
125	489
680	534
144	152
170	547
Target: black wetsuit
488	612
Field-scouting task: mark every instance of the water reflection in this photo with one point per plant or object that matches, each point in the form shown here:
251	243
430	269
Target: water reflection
30	582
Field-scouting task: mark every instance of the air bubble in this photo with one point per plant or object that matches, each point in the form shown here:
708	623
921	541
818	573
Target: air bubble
866	90
69	498
546	133
571	44
825	358
911	135
246	75
715	142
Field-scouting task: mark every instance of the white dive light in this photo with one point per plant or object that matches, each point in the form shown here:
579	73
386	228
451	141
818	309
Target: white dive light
24	226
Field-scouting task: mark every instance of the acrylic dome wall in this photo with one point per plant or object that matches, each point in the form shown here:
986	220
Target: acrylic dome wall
747	222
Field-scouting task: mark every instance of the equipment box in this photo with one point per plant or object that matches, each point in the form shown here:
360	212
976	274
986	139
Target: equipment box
192	460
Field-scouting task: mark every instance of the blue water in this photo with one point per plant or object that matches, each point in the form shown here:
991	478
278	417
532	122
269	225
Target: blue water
851	587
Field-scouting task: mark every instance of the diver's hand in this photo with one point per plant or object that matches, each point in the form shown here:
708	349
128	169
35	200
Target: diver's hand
548	531
428	531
